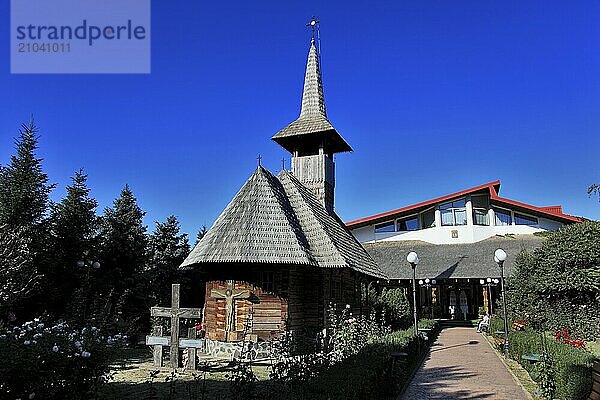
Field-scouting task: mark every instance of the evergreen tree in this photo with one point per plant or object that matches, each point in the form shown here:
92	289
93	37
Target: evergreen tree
168	248
24	192
74	228
201	234
24	187
19	276
594	190
124	244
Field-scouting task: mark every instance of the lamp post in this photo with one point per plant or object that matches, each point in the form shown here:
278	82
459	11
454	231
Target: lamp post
500	257
413	259
489	282
428	283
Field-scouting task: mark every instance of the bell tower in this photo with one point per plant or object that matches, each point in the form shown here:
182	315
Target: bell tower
311	139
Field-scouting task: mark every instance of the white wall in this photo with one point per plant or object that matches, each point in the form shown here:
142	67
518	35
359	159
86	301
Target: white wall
443	234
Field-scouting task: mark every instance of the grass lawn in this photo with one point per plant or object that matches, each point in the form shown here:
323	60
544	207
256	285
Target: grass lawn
594	348
134	377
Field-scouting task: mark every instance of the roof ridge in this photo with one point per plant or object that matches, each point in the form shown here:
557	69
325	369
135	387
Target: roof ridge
297	185
342	247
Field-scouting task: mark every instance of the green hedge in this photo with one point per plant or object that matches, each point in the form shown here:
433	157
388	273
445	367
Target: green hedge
365	375
572	366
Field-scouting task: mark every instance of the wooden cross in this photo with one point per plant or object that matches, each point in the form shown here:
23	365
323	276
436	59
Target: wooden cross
175	313
230	295
192	344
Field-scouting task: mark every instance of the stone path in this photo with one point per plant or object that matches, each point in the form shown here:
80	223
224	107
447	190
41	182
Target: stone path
462	365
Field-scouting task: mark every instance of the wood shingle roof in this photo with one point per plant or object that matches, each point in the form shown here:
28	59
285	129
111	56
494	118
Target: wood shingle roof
277	220
312	125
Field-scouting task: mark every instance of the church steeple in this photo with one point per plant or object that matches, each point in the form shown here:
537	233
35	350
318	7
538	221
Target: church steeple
312	128
313	101
311	138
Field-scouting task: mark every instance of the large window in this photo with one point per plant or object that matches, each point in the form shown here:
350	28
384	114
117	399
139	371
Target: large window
408	224
385	227
503	217
454	213
428	218
480	209
521	219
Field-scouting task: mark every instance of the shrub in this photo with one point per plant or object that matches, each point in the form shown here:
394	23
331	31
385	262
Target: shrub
426	323
496	324
354	362
366	374
396	306
54	362
559	282
571	367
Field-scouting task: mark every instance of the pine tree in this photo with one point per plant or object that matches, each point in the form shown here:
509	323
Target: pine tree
24	187
123	257
168	249
201	234
19	276
74	229
24	199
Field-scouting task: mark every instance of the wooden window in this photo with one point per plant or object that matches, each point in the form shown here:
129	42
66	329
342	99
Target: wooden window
336	289
267	281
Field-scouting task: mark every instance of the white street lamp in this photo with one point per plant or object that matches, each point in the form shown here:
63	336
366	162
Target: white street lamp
500	257
413	260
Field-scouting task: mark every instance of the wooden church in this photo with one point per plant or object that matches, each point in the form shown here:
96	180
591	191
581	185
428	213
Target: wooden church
278	255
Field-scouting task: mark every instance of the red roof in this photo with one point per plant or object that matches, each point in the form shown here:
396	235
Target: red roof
492	188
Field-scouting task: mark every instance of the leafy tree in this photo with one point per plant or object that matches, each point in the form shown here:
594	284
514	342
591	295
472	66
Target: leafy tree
74	228
168	249
558	285
123	257
24	187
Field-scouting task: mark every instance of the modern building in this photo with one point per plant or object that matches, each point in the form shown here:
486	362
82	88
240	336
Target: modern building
455	237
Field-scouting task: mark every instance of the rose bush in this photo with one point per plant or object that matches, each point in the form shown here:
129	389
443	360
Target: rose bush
55	361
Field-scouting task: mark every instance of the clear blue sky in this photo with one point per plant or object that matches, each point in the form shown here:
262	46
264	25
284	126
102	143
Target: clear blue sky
434	97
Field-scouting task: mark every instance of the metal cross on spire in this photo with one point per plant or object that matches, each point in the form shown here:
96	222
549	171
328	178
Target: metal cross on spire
314	26
259	159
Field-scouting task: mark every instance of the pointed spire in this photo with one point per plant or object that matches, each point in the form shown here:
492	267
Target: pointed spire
313	101
312	128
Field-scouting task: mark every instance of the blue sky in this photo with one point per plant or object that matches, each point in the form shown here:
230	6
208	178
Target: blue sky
434	97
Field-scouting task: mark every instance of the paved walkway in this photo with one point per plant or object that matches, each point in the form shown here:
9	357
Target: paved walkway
462	365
